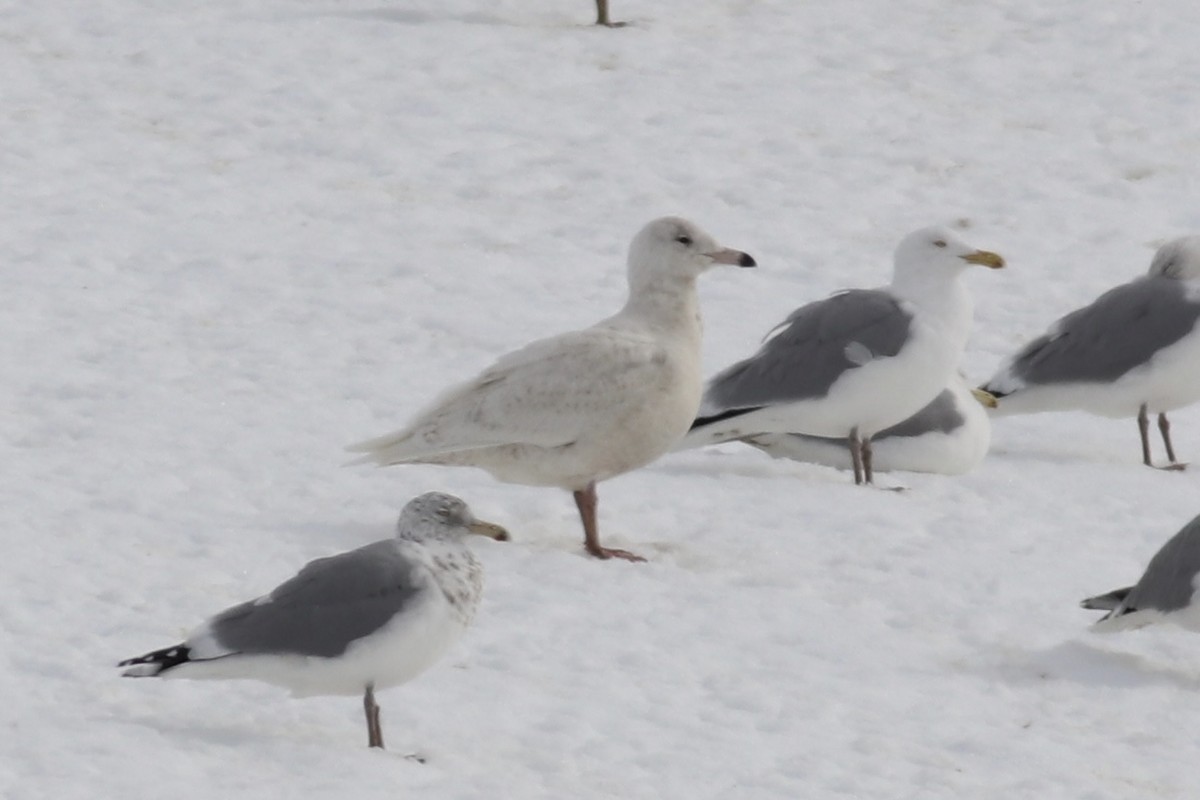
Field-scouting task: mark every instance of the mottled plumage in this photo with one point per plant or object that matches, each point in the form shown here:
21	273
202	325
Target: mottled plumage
578	408
370	618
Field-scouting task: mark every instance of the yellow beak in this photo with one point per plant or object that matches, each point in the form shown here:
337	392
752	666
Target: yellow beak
984	258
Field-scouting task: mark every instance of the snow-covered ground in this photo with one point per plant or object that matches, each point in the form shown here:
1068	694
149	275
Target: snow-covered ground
237	236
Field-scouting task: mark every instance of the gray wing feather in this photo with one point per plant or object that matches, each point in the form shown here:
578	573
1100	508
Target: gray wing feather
1167	582
1121	330
941	415
330	603
809	354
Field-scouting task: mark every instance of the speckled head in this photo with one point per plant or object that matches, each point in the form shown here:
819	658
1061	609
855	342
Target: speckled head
1178	259
441	514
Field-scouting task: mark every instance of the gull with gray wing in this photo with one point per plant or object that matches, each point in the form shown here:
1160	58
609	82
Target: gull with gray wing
1132	352
949	436
1166	591
856	363
352	623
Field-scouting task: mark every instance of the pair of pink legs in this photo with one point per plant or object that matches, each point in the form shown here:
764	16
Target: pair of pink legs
1164	428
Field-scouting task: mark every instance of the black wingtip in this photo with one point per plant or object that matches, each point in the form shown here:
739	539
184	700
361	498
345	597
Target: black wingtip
747	260
1107	602
157	661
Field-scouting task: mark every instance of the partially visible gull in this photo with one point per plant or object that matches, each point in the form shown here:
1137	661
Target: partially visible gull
1134	351
856	363
578	408
949	436
1166	592
352	623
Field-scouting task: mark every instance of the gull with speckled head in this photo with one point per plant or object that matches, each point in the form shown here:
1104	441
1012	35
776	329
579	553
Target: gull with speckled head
856	363
581	407
352	623
1132	352
1166	591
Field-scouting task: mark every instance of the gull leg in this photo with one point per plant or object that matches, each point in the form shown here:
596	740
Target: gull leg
602	15
1144	430
1164	427
867	456
371	708
856	455
585	501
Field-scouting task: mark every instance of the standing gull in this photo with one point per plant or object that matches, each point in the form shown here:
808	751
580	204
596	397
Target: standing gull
368	619
1166	592
578	408
949	436
856	363
1133	351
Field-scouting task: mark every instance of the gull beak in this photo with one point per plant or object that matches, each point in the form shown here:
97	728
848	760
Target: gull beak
489	529
735	257
986	399
984	258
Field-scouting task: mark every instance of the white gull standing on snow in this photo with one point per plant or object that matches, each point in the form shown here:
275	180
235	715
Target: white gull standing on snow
352	623
949	436
578	408
1133	351
1166	591
855	363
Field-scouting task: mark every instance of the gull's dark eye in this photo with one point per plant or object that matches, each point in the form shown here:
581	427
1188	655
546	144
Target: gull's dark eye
940	243
683	239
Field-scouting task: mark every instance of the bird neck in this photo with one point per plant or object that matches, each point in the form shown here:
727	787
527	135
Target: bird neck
666	302
939	295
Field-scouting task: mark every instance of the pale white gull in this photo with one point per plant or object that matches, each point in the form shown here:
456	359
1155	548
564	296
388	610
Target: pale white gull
856	363
578	408
949	436
1132	352
1166	591
352	623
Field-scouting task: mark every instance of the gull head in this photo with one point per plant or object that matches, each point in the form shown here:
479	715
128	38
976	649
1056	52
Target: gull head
1178	259
440	515
938	251
674	247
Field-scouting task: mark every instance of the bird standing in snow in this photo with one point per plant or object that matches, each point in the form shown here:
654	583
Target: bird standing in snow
856	363
1166	592
949	436
368	619
1134	351
578	408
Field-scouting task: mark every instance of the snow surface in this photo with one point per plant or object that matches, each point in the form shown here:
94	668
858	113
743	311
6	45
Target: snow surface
239	236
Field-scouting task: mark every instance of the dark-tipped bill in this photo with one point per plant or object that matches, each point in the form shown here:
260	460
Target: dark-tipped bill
735	257
984	258
489	529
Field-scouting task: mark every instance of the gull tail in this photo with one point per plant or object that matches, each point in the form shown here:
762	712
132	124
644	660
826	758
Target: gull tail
156	662
1120	616
715	429
1107	602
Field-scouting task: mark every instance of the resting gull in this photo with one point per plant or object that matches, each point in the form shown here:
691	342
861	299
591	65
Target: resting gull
368	619
578	408
856	363
1133	351
949	436
1166	592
